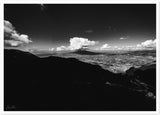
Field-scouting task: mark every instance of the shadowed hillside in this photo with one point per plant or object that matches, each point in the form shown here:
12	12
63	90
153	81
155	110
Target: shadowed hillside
84	51
59	84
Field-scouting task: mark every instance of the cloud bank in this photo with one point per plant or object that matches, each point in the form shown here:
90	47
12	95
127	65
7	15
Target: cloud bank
12	37
61	48
147	44
77	43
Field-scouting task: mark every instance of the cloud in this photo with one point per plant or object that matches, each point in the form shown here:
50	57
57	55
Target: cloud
61	48
23	38
122	38
108	47
147	44
51	49
105	47
8	28
12	43
77	43
12	37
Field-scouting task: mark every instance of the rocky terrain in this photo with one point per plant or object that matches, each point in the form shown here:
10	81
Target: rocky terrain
56	83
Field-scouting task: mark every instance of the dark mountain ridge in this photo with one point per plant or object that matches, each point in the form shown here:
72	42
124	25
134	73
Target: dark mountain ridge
84	51
59	84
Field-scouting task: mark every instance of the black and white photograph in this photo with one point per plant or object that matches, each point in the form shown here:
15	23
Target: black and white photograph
80	57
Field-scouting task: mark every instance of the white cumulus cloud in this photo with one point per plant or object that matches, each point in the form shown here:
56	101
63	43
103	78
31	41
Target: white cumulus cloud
61	48
51	49
77	43
12	37
12	43
105	47
147	44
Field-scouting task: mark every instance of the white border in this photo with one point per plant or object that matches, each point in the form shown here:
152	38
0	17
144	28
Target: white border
81	1
158	55
1	56
77	2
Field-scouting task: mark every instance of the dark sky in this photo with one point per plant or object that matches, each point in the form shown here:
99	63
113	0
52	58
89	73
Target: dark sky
54	24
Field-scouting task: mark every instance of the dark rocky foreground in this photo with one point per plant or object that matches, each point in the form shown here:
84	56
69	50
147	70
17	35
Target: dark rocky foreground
58	84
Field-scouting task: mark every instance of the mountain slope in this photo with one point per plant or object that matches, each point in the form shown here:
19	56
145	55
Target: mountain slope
59	84
83	51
